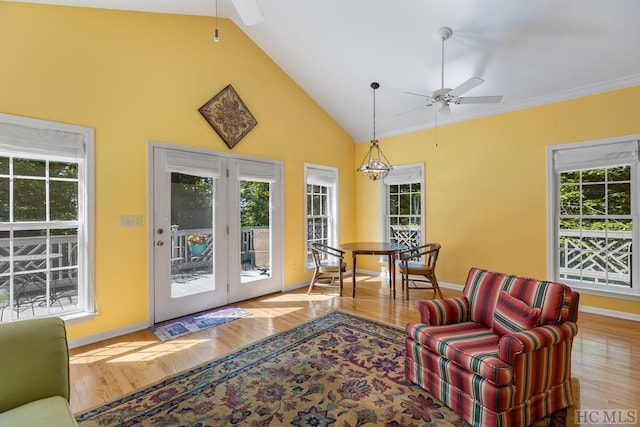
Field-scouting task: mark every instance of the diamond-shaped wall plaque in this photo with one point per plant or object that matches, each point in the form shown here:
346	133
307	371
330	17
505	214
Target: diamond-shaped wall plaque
228	116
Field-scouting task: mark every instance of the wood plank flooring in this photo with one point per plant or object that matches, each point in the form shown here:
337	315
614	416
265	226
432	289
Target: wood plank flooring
606	352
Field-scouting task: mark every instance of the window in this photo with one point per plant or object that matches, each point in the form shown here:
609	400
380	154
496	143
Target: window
594	215
45	211
403	208
321	207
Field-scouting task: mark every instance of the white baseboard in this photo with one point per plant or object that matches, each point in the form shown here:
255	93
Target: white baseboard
582	308
108	334
140	326
295	286
451	286
609	313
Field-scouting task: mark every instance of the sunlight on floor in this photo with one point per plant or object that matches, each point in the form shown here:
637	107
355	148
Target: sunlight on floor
137	351
299	297
269	312
144	351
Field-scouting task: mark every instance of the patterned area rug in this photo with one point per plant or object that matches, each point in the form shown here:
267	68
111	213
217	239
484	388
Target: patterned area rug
337	370
185	325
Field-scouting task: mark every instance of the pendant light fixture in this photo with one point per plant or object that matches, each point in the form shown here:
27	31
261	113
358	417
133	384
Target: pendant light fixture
375	164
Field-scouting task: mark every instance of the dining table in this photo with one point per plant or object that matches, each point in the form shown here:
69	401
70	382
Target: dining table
388	249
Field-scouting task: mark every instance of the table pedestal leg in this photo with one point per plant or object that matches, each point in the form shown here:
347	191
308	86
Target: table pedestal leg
392	274
353	255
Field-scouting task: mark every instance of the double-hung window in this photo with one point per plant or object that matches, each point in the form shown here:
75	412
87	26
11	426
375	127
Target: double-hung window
593	215
321	207
404	205
45	219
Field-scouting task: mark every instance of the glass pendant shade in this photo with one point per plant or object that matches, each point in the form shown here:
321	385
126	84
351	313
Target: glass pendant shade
373	164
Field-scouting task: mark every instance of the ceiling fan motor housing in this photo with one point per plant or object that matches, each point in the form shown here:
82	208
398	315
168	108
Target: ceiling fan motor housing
442	94
444	32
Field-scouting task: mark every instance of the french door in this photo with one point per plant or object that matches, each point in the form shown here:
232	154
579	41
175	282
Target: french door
217	230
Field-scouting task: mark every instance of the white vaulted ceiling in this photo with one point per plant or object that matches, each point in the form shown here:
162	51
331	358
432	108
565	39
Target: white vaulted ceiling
531	52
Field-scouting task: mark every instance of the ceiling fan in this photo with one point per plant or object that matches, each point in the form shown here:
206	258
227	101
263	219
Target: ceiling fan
443	97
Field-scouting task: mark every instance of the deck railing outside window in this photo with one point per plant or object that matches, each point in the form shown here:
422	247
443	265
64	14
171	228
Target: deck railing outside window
596	257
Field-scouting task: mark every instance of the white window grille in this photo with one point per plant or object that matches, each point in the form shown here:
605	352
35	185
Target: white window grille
593	214
404	205
321	207
46	209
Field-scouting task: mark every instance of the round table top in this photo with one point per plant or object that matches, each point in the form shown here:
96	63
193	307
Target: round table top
372	246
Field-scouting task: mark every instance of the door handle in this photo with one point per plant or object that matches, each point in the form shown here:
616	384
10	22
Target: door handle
159	243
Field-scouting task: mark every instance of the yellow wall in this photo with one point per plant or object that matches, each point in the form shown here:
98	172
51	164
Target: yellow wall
140	76
485	183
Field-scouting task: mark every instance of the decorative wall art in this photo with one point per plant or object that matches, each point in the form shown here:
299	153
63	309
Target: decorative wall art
228	116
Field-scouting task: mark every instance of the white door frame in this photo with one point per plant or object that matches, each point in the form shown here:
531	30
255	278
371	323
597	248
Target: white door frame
278	224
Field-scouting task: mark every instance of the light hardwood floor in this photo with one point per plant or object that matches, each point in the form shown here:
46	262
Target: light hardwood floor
606	352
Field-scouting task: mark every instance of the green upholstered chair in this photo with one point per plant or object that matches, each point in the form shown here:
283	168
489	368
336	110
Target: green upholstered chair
34	374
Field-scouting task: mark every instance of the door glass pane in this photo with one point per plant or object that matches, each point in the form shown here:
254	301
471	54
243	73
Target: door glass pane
255	239
192	247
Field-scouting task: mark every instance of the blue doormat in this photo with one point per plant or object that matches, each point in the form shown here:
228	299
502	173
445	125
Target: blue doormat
185	325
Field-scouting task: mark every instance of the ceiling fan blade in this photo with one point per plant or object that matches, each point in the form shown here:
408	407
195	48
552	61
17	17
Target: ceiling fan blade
249	11
466	86
404	113
419	94
478	100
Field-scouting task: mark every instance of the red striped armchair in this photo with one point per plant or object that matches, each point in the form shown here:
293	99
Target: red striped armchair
500	355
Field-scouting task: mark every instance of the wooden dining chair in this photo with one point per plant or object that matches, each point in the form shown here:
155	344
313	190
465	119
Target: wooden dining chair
420	261
329	266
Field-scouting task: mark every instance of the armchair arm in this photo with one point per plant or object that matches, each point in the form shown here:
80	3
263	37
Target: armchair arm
443	311
540	357
512	345
34	361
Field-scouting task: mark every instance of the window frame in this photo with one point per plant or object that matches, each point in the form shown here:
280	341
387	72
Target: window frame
326	176
399	175
580	156
23	137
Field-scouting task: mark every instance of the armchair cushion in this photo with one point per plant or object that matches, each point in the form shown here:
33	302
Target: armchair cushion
548	296
51	412
329	266
469	345
34	367
513	315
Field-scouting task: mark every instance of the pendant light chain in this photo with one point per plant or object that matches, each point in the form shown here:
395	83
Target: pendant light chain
374	86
